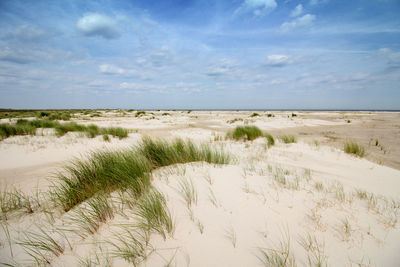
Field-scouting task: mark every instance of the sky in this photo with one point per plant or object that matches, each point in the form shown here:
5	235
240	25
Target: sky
200	54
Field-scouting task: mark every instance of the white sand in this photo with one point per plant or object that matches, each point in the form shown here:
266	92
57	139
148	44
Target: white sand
267	197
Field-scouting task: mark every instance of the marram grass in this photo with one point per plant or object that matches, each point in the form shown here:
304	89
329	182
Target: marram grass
287	139
354	148
246	132
154	215
129	169
104	171
250	133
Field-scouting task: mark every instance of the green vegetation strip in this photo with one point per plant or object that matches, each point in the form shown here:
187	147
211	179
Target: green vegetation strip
127	169
28	127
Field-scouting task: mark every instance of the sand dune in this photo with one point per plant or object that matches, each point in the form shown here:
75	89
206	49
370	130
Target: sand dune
306	203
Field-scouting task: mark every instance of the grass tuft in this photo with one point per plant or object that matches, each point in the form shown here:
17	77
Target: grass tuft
90	218
287	139
245	132
14	200
154	215
278	257
41	246
106	138
103	172
270	139
131	246
188	191
354	148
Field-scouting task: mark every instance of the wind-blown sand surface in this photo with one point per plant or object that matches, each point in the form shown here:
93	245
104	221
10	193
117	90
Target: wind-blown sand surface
308	198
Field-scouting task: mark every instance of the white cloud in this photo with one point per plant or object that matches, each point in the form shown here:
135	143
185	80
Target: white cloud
111	69
93	24
257	7
279	60
299	23
297	11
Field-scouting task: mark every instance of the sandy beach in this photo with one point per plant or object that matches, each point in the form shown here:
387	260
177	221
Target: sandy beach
301	204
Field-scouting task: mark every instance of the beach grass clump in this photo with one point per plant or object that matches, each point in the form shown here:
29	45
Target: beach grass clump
287	139
99	209
140	113
281	256
154	215
106	138
129	169
161	153
188	192
7	130
115	131
12	200
41	246
62	129
250	133
131	246
234	120
246	132
64	116
255	114
105	172
270	139
351	147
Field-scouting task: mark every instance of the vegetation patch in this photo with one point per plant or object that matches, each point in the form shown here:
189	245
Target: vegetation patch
255	114
126	169
47	114
140	113
234	120
351	147
28	127
270	139
287	139
250	133
246	132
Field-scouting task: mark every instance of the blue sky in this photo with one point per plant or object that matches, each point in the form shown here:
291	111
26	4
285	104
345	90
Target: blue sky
235	54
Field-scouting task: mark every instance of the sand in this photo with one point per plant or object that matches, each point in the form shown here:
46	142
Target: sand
269	199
